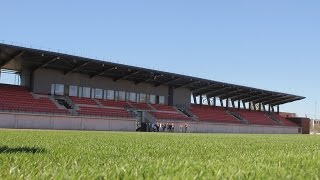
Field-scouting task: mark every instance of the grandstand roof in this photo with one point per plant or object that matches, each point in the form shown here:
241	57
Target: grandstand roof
19	58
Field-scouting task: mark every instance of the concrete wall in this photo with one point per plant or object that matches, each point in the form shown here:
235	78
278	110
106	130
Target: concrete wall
182	96
203	127
43	78
31	121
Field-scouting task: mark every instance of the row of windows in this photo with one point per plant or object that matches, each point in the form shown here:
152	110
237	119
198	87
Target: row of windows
87	92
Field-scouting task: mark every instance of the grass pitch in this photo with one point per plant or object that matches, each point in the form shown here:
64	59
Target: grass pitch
26	154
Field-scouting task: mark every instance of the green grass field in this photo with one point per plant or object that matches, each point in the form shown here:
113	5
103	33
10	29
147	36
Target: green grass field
27	154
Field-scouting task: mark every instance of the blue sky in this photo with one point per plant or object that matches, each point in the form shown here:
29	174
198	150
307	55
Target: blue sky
272	44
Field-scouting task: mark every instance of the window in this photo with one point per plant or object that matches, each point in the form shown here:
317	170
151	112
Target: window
110	95
132	97
122	96
98	93
161	99
152	99
57	89
73	90
143	98
86	92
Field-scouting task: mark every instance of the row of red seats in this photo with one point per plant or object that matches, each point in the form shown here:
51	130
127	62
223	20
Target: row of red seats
170	116
17	98
96	111
284	121
210	114
255	117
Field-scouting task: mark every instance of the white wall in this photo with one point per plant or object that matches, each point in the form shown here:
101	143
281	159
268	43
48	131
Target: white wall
31	121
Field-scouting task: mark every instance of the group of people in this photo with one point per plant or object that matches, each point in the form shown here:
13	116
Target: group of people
167	127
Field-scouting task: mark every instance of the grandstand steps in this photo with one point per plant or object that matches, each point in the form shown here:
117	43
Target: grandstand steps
98	102
59	106
272	117
237	116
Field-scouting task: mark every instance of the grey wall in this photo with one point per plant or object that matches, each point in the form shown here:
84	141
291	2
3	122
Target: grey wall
33	121
43	78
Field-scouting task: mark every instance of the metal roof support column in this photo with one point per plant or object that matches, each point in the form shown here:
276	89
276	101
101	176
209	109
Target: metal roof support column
244	105
201	100
263	107
194	99
278	109
233	104
269	108
250	106
208	99
227	101
221	103
239	104
214	101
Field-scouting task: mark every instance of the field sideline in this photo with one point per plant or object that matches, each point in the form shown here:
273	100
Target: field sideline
28	154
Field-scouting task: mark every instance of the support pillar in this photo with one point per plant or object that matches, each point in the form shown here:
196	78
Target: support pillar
244	105
239	104
201	100
194	99
278	109
227	104
214	101
221	103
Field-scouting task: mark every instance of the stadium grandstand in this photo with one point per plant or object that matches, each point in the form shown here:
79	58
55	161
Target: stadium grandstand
61	91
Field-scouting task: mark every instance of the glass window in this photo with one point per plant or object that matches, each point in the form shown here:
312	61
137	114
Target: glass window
161	99
110	95
122	96
86	92
98	93
73	90
133	97
143	98
59	89
152	99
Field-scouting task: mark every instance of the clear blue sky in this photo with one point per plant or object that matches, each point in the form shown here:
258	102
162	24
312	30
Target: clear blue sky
272	44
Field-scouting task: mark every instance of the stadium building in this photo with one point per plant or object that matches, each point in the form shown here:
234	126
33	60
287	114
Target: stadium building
61	91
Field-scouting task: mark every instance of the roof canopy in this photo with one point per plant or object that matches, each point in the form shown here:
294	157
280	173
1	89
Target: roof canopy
19	58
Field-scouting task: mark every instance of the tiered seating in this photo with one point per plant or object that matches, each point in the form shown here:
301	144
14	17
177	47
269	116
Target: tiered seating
256	117
16	98
96	111
111	103
170	116
284	121
210	114
161	107
141	106
83	101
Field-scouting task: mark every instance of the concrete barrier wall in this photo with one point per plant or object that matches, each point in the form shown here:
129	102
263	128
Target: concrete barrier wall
32	121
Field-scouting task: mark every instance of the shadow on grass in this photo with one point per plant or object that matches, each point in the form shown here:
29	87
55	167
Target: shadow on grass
13	150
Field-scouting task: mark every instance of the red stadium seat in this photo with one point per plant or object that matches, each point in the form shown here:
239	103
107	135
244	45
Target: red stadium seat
211	114
17	98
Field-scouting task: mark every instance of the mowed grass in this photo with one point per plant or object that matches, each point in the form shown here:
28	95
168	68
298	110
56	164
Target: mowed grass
33	154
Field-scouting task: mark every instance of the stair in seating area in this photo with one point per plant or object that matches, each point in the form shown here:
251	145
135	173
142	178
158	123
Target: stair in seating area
257	118
213	114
